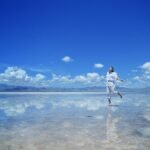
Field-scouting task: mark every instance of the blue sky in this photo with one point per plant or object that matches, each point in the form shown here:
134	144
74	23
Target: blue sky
35	36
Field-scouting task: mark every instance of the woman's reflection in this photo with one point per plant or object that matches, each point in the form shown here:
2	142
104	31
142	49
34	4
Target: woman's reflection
111	128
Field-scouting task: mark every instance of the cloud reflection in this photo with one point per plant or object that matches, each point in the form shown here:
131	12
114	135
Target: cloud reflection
14	108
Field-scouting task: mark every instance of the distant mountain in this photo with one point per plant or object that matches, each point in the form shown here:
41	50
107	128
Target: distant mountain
13	88
7	88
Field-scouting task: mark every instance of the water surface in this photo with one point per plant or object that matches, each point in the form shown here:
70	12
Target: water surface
74	122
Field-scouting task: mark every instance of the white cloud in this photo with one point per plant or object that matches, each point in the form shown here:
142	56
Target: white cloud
39	77
18	76
136	78
98	65
143	77
146	66
93	75
80	78
14	72
89	79
60	79
67	59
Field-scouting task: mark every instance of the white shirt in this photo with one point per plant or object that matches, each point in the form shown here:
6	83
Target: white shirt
111	78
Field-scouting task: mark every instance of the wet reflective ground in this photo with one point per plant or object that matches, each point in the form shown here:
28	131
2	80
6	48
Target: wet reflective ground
74	122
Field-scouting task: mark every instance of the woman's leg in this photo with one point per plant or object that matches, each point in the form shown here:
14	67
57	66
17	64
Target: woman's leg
119	94
109	94
115	91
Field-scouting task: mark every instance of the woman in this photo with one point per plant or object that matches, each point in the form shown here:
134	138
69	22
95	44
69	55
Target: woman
111	78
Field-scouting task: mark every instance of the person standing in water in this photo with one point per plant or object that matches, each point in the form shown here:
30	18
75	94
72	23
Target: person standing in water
111	78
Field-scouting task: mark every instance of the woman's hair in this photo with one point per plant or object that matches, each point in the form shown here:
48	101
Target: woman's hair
112	69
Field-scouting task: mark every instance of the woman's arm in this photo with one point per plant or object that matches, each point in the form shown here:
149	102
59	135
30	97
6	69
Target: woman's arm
119	79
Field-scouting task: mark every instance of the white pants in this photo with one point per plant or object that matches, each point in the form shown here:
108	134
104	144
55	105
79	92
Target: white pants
111	88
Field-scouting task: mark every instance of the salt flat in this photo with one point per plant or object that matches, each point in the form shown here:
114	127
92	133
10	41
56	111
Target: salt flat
74	120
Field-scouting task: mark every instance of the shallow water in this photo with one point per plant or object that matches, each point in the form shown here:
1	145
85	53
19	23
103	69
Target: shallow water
74	122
